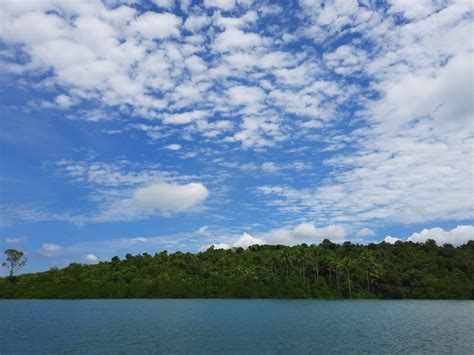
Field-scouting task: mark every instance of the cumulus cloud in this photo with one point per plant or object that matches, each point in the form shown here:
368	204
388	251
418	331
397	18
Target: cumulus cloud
443	95
170	197
90	259
409	162
246	240
305	233
393	120
302	233
196	22
217	246
221	4
166	4
390	240
269	166
126	191
410	9
63	101
157	25
346	59
185	117
173	146
365	232
456	236
233	38
245	95
51	249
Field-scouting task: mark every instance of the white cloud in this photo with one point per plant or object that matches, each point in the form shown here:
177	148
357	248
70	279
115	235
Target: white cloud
63	101
165	4
304	233
121	173
245	95
185	117
412	9
195	64
126	191
90	259
297	76
51	249
246	240
346	59
15	240
444	95
390	240
202	230
217	246
157	25
173	146
225	5
233	38
269	166
195	22
365	232
407	146
456	236
170	197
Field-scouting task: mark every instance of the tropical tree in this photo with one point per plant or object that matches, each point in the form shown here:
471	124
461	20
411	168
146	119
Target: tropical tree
15	261
301	257
348	265
371	267
287	261
317	257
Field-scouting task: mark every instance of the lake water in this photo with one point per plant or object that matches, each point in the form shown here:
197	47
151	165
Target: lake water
236	326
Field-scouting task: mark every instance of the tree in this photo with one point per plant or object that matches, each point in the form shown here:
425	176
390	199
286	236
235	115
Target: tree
403	270
287	261
15	261
348	265
301	257
371	267
316	254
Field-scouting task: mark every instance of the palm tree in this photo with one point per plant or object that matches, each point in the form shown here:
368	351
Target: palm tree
301	257
347	264
316	252
369	262
287	260
337	266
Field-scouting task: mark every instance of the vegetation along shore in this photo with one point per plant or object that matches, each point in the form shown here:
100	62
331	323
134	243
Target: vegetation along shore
328	270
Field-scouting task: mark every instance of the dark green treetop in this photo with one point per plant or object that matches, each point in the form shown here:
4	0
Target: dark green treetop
15	261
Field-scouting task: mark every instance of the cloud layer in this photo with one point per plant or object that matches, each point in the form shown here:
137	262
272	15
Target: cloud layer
456	236
293	121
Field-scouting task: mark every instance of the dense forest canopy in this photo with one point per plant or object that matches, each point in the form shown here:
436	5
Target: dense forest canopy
327	270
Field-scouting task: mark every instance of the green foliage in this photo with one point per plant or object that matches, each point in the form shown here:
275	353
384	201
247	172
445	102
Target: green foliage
15	261
327	270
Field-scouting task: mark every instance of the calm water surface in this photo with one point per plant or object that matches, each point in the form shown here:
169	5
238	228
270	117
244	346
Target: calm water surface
236	326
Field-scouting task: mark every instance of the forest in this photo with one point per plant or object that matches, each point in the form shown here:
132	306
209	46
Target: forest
327	270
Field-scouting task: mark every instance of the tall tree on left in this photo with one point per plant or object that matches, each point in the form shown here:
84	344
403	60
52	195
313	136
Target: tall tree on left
15	260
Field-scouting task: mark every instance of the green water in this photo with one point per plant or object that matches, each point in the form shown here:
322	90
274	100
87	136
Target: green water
236	326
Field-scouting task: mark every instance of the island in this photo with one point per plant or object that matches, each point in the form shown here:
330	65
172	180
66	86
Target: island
403	270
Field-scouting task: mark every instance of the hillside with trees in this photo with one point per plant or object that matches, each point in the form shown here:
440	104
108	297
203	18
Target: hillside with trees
327	270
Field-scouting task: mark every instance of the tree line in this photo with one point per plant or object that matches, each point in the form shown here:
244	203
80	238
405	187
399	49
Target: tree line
327	270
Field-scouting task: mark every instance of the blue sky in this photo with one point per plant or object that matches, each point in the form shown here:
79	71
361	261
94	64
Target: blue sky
138	126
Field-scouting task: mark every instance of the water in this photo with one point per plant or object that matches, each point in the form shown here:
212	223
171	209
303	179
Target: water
236	326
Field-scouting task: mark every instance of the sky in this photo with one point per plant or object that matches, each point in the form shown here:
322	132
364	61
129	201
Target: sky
141	126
